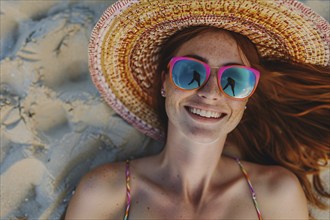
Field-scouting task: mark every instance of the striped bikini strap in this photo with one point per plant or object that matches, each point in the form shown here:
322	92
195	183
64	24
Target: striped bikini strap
128	191
254	197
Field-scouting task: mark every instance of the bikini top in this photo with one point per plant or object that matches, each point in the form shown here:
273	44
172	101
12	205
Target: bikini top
253	194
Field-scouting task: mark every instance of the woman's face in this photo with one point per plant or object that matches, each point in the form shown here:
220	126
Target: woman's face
189	111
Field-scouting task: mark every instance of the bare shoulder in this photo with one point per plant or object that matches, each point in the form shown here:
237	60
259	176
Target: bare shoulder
279	192
100	194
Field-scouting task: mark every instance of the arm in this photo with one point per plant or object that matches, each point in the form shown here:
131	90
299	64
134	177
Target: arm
100	195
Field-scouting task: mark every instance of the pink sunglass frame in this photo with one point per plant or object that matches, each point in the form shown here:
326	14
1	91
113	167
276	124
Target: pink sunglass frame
208	73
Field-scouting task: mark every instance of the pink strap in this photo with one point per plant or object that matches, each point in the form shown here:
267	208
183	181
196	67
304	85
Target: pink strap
254	197
128	191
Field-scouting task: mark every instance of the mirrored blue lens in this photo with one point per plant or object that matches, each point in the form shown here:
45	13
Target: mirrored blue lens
188	74
238	82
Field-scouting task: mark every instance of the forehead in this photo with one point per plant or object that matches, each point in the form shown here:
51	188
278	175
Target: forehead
217	47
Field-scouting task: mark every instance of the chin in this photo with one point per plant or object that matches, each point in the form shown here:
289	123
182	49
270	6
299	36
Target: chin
205	137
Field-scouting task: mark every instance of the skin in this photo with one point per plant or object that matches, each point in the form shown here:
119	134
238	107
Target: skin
190	178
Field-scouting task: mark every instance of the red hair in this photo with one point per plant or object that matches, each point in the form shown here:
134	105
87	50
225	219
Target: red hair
287	119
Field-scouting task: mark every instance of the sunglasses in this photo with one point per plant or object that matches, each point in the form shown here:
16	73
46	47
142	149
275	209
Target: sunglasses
235	81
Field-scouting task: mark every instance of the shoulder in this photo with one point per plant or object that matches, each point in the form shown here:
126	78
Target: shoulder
100	193
279	192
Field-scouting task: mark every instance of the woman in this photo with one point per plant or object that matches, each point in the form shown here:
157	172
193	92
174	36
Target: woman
192	68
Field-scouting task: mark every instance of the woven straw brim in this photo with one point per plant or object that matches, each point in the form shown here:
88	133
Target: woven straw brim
123	49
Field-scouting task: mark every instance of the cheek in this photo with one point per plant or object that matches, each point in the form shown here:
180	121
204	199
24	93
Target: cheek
172	97
173	94
239	104
238	108
174	101
172	107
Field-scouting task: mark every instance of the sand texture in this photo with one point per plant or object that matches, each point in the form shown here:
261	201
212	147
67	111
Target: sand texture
55	127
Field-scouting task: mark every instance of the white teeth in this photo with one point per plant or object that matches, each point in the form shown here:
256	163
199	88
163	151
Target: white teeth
204	113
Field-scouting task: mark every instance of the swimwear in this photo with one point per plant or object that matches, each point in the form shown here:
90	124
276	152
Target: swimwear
253	194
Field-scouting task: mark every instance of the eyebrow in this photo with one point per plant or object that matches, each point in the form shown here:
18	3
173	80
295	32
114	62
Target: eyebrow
197	57
206	60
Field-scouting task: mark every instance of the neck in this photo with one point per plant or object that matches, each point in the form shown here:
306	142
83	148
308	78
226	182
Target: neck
190	165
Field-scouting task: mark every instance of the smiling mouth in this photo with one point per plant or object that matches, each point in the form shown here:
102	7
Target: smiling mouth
205	113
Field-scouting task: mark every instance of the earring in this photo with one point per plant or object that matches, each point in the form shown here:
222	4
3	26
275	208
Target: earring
245	107
162	92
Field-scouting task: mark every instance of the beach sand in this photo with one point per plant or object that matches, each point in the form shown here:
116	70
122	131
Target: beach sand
55	127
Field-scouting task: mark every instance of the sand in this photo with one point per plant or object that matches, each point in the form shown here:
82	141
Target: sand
54	125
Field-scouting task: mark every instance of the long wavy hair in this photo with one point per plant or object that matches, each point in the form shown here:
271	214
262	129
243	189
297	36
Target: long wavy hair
287	119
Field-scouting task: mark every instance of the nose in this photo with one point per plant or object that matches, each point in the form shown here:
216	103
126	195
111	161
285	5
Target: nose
210	90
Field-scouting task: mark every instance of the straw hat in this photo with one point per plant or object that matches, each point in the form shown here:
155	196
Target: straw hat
125	41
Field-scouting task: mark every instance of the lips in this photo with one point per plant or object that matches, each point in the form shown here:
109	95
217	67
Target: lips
206	113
